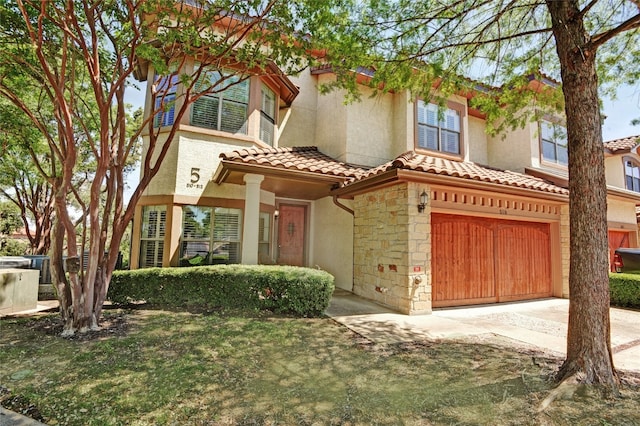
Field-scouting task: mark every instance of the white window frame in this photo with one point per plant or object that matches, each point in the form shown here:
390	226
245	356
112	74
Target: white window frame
443	124
268	102
554	135
222	100
152	235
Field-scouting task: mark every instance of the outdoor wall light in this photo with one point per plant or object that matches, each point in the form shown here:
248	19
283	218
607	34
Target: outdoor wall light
276	214
424	197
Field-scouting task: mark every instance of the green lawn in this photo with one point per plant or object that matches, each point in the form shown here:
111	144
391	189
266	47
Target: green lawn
168	368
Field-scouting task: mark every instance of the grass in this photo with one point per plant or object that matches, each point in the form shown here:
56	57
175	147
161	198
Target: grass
179	368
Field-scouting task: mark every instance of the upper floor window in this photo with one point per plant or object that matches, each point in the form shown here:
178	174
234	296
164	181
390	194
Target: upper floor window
267	115
439	130
632	175
165	98
227	108
553	138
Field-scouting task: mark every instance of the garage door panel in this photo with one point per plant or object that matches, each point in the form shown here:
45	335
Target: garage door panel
482	260
462	251
523	262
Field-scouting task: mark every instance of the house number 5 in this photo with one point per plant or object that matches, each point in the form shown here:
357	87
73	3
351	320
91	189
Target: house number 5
195	174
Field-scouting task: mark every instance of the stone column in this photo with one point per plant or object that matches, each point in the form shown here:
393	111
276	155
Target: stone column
251	219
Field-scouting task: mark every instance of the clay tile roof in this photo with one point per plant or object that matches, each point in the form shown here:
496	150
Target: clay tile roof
305	158
465	170
623	144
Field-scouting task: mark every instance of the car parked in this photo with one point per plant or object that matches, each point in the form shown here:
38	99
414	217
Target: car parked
627	260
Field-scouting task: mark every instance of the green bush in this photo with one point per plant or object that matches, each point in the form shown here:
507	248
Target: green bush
287	289
625	290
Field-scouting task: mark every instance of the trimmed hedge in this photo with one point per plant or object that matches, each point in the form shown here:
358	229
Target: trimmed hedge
287	289
625	290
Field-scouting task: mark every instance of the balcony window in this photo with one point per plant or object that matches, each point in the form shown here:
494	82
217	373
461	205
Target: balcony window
267	115
439	129
224	110
164	100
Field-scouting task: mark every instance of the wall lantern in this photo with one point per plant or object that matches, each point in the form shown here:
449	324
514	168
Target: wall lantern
424	197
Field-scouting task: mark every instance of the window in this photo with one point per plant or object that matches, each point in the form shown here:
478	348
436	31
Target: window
267	115
632	175
264	228
553	139
439	130
165	98
225	110
210	235
152	236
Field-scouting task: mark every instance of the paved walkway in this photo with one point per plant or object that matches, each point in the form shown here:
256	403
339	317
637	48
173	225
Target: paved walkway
540	323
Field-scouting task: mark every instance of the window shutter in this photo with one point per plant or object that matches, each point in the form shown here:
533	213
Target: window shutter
234	117
204	112
450	142
226	226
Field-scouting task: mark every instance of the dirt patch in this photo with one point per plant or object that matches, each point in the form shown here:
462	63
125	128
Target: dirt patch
112	324
19	404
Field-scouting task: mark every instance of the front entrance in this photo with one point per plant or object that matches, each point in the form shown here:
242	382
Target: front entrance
483	260
291	234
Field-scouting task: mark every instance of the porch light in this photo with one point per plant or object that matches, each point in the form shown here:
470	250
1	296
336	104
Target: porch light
424	197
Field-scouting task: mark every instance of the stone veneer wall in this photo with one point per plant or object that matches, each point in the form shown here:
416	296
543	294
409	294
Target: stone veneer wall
392	248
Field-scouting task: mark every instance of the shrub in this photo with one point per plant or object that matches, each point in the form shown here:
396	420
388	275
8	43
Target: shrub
287	289
625	290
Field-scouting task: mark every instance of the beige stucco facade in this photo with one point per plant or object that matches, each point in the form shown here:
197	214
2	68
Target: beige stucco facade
375	241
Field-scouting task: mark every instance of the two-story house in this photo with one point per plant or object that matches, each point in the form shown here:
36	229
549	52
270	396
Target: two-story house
404	205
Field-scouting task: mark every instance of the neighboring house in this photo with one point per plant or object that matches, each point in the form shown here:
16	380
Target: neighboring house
402	205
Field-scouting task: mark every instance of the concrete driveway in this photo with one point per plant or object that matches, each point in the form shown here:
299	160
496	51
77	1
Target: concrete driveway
541	324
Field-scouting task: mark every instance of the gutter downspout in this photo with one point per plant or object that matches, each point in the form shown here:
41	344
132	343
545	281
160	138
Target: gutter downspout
342	206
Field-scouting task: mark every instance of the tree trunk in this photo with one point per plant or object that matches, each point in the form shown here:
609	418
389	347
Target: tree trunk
589	355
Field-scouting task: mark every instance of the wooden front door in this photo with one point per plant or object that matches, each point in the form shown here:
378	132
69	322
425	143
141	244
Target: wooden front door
482	260
291	234
617	239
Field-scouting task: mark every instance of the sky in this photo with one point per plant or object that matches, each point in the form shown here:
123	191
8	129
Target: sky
620	112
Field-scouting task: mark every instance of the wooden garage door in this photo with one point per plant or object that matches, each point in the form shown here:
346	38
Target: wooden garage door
617	239
480	260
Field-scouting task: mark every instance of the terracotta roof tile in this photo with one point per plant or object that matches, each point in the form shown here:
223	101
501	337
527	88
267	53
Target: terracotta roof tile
310	159
622	144
305	158
465	170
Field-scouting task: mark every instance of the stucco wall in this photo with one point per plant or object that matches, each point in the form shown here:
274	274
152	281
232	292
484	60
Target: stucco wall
621	211
332	241
298	123
403	123
515	150
614	171
477	141
188	152
369	130
392	249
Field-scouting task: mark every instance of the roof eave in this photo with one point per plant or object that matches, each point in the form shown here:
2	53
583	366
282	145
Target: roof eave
397	175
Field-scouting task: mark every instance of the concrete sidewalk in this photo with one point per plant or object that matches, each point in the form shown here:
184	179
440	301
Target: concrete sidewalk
541	324
9	418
